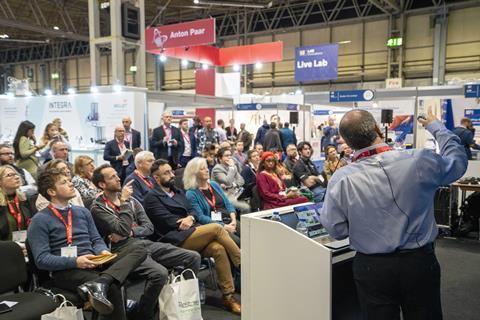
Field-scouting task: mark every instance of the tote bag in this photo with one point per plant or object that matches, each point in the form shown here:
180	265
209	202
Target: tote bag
66	311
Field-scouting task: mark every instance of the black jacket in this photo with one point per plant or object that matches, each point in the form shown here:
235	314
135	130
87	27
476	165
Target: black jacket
164	213
161	148
27	208
111	152
136	139
273	140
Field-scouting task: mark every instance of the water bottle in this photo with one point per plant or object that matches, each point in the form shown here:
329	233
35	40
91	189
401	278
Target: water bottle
276	216
201	288
302	227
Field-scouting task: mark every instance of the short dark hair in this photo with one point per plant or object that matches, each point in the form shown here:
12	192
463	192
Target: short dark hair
357	128
220	122
222	151
249	155
47	179
286	125
98	175
303	144
182	121
157	164
273	125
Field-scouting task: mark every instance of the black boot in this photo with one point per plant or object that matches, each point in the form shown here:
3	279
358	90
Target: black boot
96	293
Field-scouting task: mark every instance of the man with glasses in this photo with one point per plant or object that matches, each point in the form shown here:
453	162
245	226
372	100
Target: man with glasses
7	157
306	173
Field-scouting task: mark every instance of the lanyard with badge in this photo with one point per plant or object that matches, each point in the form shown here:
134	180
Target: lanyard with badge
145	180
19	235
69	251
111	205
216	215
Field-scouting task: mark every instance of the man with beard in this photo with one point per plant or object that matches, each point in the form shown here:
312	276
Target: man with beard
174	220
291	159
121	219
207	135
306	173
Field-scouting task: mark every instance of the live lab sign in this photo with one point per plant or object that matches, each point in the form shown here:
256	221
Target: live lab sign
186	34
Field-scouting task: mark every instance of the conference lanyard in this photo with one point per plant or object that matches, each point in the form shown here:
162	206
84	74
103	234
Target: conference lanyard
111	205
213	202
169	131
186	137
369	153
145	180
68	226
16	215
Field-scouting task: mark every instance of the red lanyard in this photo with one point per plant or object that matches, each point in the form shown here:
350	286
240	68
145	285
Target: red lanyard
121	145
212	202
186	137
16	215
68	226
369	153
145	180
169	132
111	205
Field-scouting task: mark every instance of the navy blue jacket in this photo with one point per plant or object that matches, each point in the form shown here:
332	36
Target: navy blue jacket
466	139
136	139
193	144
262	131
140	188
288	137
111	152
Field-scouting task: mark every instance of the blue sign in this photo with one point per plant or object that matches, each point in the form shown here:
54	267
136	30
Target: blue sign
314	63
292	107
351	95
474	115
447	114
321	112
178	112
249	106
472	91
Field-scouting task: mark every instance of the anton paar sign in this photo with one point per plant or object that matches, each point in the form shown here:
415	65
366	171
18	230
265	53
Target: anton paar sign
186	34
314	63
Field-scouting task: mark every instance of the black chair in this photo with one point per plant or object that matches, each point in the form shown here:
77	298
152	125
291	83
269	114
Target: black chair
30	305
179	178
256	203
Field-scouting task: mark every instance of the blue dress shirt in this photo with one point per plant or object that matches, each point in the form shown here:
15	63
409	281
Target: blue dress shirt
359	202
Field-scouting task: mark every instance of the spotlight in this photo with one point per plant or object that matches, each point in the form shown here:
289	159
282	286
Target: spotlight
93	89
162	58
56	28
28	93
48	92
184	63
71	91
258	65
236	67
204	66
10	95
298	92
117	87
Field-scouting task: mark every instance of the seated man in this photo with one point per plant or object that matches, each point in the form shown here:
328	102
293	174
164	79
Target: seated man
122	219
142	181
64	238
174	220
306	173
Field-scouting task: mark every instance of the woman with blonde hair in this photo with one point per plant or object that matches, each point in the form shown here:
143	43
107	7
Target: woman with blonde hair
82	181
16	208
50	135
58	123
332	162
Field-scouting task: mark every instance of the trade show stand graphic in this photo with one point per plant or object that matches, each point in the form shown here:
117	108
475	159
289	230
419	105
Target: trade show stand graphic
288	275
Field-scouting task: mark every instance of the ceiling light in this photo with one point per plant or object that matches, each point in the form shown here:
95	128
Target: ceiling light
344	42
56	28
162	58
204	66
233	4
71	91
258	65
4	36
117	87
93	89
184	63
28	93
48	92
236	67
298	92
196	1
10	94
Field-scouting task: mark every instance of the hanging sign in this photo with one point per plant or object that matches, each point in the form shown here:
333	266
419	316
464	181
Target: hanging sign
472	91
351	95
314	63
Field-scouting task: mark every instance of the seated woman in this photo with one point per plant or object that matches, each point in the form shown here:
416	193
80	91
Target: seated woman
82	181
249	172
59	164
50	135
208	198
16	208
332	163
226	174
270	186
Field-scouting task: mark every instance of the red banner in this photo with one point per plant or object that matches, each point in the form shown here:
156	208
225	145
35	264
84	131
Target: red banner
180	35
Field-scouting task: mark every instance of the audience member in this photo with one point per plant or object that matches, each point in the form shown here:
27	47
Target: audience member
332	162
259	148
222	134
245	137
330	134
167	140
249	172
207	135
238	154
121	219
61	165
272	140
465	133
131	167
82	180
270	186
208	199
291	158
288	136
346	153
7	157
51	135
197	125
231	132
142	181
25	148
174	220
305	172
117	152
133	136
210	153
58	123
16	208
64	238
188	147
261	132
59	151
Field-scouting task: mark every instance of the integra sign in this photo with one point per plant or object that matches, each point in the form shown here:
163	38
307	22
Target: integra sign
60	105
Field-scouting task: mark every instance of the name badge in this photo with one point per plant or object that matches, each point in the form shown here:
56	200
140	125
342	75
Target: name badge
70	251
216	216
19	236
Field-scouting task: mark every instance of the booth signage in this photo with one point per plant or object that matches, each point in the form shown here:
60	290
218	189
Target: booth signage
249	106
315	63
472	91
351	95
181	34
474	115
178	112
322	112
292	107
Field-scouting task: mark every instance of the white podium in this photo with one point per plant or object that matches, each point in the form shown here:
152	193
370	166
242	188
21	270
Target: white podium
288	276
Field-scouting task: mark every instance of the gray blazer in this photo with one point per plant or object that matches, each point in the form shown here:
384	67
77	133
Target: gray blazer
227	175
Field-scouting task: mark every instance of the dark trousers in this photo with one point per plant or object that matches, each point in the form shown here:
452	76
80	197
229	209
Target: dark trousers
408	281
184	160
161	257
129	258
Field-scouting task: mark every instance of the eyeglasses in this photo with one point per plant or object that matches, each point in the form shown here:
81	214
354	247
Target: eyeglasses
7	154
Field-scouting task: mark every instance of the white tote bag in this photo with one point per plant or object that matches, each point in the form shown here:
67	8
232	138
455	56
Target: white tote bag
66	311
180	299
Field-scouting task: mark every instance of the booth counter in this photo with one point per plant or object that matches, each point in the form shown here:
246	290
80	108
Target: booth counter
287	275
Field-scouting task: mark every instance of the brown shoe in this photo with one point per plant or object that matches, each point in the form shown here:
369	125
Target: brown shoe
232	305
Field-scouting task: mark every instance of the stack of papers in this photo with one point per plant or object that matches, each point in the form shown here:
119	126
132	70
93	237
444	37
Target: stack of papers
103	258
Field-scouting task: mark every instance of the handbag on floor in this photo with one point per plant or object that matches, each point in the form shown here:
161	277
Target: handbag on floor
66	311
180	299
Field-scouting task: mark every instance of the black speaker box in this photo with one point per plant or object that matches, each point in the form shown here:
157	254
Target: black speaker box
294	117
387	116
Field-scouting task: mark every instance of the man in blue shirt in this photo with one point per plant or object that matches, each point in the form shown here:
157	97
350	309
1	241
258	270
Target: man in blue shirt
466	136
288	136
383	202
330	134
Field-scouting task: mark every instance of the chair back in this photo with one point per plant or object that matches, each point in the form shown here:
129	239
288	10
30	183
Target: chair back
256	203
13	268
179	178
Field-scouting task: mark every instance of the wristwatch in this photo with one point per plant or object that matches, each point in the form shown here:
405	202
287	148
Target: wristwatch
193	219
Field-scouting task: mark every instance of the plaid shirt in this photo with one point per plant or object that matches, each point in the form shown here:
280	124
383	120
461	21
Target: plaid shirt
205	136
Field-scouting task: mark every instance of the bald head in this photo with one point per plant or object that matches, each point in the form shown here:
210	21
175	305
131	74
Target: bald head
127	122
208	122
120	133
359	129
